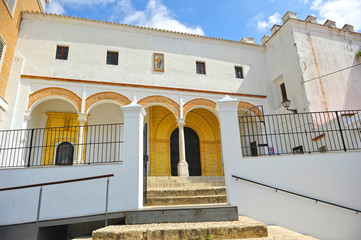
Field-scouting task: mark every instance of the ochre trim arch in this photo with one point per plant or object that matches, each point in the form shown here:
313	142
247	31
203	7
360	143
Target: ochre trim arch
54	91
106	96
198	102
153	100
247	105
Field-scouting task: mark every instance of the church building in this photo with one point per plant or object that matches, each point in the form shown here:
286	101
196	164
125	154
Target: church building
81	96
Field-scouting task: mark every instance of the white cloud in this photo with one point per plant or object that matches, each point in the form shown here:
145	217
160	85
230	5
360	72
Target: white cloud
341	11
55	7
273	19
155	15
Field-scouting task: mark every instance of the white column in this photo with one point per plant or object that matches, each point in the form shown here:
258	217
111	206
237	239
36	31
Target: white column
133	152
182	164
82	120
230	138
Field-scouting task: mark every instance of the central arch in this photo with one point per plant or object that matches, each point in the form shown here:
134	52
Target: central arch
193	156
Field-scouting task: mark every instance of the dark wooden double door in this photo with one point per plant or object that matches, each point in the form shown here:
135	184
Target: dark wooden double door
193	156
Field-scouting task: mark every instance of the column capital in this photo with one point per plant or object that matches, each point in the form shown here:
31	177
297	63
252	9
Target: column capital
133	110
181	122
228	104
82	118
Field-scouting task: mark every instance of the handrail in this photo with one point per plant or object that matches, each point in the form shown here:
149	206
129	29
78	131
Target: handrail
297	194
62	182
57	182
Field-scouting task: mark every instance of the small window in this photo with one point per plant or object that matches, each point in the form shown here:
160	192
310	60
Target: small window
2	49
201	67
64	154
62	52
283	92
239	72
112	58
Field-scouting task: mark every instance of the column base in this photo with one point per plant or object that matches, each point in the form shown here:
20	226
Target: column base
183	169
78	162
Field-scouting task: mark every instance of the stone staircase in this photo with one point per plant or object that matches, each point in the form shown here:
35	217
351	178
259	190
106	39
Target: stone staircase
185	190
188	208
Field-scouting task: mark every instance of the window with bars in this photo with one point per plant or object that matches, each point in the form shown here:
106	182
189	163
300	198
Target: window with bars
201	67
283	92
62	52
238	72
112	58
2	49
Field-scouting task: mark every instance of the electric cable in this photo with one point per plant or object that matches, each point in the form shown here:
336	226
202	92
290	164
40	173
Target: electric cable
312	79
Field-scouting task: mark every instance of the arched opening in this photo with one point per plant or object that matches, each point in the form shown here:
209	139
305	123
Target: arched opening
205	123
104	133
251	127
160	124
192	149
64	154
58	117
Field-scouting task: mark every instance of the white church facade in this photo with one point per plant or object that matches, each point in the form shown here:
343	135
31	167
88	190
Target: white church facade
87	97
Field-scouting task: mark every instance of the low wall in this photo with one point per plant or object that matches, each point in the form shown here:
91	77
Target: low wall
333	177
65	200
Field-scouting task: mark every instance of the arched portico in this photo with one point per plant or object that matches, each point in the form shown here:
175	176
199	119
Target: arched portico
54	93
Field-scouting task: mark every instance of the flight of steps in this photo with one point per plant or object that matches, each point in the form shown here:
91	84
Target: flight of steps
185	190
188	208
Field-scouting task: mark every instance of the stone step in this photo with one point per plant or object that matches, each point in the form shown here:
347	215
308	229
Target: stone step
243	228
280	233
173	192
165	182
156	201
177	214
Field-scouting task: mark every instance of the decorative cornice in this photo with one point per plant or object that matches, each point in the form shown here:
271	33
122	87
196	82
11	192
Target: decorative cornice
141	86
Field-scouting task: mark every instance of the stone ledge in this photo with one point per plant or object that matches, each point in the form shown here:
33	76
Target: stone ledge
243	228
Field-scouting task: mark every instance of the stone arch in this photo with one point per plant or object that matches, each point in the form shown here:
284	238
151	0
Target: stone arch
165	126
163	101
247	105
199	102
201	126
206	124
105	96
54	92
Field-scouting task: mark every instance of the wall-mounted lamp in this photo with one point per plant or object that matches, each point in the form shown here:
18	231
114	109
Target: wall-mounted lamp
286	104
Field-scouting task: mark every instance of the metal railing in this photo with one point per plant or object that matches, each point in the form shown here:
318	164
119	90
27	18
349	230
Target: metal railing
61	145
62	182
296	194
300	133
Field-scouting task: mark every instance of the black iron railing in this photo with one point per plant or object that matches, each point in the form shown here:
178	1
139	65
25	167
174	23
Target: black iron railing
297	194
61	145
299	133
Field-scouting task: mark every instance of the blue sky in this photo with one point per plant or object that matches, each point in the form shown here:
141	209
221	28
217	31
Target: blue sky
228	19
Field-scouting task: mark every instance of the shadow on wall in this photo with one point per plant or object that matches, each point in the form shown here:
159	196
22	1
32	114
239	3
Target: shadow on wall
353	91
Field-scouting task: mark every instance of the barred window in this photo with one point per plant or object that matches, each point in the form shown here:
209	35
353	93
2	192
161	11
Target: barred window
62	52
112	58
2	49
201	68
238	72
